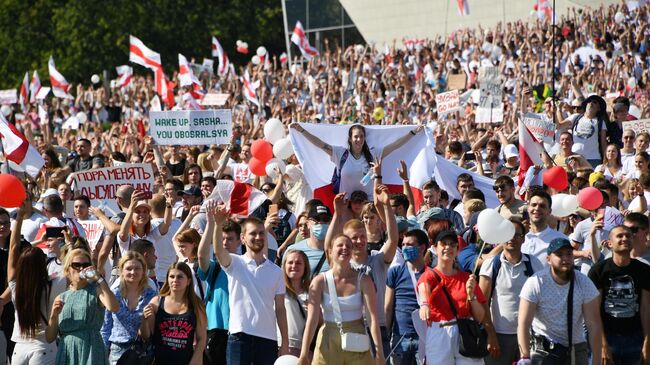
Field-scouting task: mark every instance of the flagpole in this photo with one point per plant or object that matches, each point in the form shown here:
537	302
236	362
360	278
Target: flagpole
446	17
286	31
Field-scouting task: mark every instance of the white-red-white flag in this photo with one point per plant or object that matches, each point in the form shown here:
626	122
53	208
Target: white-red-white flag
240	199
190	103
18	150
185	74
463	7
530	151
249	89
34	87
23	96
142	55
283	58
217	51
164	87
299	38
544	10
125	75
60	86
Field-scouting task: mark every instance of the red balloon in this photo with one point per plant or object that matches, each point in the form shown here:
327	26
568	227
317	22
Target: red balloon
258	167
12	191
556	178
590	198
535	7
262	150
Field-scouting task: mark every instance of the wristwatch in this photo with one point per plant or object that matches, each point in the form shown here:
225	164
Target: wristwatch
100	280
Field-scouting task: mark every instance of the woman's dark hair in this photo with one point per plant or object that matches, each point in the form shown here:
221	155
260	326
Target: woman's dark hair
365	150
54	158
31	282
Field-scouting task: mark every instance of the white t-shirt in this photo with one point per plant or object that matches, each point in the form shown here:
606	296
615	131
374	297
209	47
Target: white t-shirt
165	247
241	173
581	235
353	171
635	203
585	138
536	243
551	299
31	226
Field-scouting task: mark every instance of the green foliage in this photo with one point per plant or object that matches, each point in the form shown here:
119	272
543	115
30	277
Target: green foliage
89	36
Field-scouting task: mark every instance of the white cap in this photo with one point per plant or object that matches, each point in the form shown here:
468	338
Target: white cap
49	192
511	151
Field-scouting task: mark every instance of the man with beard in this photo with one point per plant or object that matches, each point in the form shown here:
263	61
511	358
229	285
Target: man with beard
557	301
624	285
256	300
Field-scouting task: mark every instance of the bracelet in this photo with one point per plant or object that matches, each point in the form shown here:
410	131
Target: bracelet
100	280
378	176
168	206
412	132
424	305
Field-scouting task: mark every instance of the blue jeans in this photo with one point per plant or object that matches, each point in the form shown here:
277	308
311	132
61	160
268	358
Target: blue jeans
625	349
406	352
244	349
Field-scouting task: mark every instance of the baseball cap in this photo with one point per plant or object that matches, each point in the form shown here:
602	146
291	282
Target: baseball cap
192	190
142	203
319	212
511	151
446	234
556	244
431	213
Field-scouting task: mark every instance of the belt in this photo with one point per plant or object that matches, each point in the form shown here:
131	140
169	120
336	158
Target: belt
447	324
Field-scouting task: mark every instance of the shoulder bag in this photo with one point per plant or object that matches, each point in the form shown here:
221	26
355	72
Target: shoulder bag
352	342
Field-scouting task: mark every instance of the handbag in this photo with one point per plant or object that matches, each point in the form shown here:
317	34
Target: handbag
472	336
140	352
352	342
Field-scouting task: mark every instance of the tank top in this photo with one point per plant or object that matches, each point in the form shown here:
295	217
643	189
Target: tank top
173	337
351	305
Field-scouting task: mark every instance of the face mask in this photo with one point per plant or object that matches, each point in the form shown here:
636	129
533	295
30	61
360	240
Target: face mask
319	231
410	253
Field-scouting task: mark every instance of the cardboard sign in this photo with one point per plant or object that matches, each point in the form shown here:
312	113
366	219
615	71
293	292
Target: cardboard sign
214	99
100	185
489	115
208	65
191	127
542	128
456	82
613	217
638	126
8	96
490	106
94	230
447	102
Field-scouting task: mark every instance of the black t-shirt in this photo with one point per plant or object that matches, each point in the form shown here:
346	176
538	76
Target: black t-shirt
621	289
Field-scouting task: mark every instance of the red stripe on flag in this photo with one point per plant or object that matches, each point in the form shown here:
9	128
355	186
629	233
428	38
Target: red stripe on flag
138	52
239	199
326	195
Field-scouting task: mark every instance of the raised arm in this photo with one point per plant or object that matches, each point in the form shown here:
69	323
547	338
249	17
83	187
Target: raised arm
403	173
336	225
163	228
312	138
123	234
401	141
14	241
206	238
390	246
221	254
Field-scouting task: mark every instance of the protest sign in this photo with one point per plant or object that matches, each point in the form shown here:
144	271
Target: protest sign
100	185
191	127
214	99
542	128
208	65
638	126
613	217
8	96
94	229
447	102
490	107
456	82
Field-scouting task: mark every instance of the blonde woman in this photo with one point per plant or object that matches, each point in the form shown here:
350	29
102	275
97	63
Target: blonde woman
78	314
354	291
122	328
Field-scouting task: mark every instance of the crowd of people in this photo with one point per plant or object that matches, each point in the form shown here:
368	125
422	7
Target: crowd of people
374	276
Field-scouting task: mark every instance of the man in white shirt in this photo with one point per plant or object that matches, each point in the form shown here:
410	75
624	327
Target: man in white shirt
256	299
540	234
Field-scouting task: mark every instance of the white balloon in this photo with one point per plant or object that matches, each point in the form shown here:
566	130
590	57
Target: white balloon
83	118
493	228
274	130
563	205
94	79
286	360
244	44
283	149
261	51
272	164
619	18
256	60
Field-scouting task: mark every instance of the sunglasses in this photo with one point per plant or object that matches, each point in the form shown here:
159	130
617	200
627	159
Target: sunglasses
501	187
78	266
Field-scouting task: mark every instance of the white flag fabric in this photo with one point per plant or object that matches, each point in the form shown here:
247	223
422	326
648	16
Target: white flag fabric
249	88
299	38
17	150
60	86
34	87
241	199
125	75
217	51
23	95
142	55
185	74
530	152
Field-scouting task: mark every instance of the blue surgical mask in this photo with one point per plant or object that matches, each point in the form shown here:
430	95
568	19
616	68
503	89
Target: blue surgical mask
319	231
410	253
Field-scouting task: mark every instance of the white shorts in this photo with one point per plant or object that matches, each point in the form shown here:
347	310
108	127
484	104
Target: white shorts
34	353
442	346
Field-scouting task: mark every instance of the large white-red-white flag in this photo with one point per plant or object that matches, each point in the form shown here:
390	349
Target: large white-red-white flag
249	89
463	7
217	51
530	152
164	88
299	38
124	75
240	199
60	86
185	74
23	95
18	150
34	87
143	55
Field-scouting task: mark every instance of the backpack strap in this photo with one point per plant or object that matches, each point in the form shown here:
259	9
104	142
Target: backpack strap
444	290
319	266
529	266
496	266
569	315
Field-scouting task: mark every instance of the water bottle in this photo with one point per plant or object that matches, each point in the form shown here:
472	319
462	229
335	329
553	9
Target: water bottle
365	180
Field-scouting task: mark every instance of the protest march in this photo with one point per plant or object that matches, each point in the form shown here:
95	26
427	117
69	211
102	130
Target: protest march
482	197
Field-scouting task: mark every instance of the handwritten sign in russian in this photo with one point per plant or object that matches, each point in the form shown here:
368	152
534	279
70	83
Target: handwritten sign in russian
9	96
94	230
638	126
100	185
191	127
490	106
447	102
542	128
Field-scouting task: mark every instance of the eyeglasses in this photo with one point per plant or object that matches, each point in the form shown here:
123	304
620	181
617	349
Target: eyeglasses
499	188
80	265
